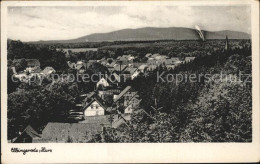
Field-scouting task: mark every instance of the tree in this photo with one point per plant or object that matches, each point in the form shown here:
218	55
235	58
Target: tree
39	105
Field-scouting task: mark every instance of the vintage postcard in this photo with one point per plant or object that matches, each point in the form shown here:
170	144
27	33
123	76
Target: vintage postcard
129	81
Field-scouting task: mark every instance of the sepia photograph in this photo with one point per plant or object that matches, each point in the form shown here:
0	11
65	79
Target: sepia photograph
106	73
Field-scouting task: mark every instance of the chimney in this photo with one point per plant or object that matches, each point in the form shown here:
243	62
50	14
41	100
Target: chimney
227	45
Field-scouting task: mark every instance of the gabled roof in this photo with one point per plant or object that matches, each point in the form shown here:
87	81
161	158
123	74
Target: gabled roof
190	58
143	66
175	58
132	103
138	64
154	55
102	120
99	101
75	132
113	63
79	66
48	70
148	55
30	62
123	67
122	93
92	61
30	132
34	62
90	95
131	70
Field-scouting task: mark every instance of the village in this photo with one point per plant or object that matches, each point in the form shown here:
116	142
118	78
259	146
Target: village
107	106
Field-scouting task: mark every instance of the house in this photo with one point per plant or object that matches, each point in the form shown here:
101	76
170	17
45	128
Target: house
132	70
104	120
27	135
116	77
104	62
152	61
169	67
131	58
120	67
125	96
89	97
137	64
123	58
120	96
95	108
135	73
110	69
71	65
48	71
103	82
161	57
110	59
131	105
176	59
33	63
171	61
122	119
143	68
154	55
128	72
189	59
33	70
90	62
109	92
80	65
151	67
70	132
148	55
113	64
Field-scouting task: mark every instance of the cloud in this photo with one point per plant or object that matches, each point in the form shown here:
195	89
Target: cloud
54	23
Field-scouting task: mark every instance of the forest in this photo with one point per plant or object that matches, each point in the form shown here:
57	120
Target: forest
212	111
202	111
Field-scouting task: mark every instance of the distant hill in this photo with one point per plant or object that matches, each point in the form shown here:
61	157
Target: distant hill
152	33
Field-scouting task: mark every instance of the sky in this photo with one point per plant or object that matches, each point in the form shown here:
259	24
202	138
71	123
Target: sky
70	22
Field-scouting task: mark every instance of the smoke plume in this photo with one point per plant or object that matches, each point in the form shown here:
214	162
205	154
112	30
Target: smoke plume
200	32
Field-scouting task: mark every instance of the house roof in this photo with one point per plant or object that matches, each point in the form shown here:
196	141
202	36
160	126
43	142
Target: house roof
190	58
34	62
170	61
90	95
148	55
131	70
76	132
175	58
79	66
70	64
138	64
48	70
143	66
122	120
154	55
123	67
122	93
113	63
102	120
29	131
99	101
92	61
152	66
